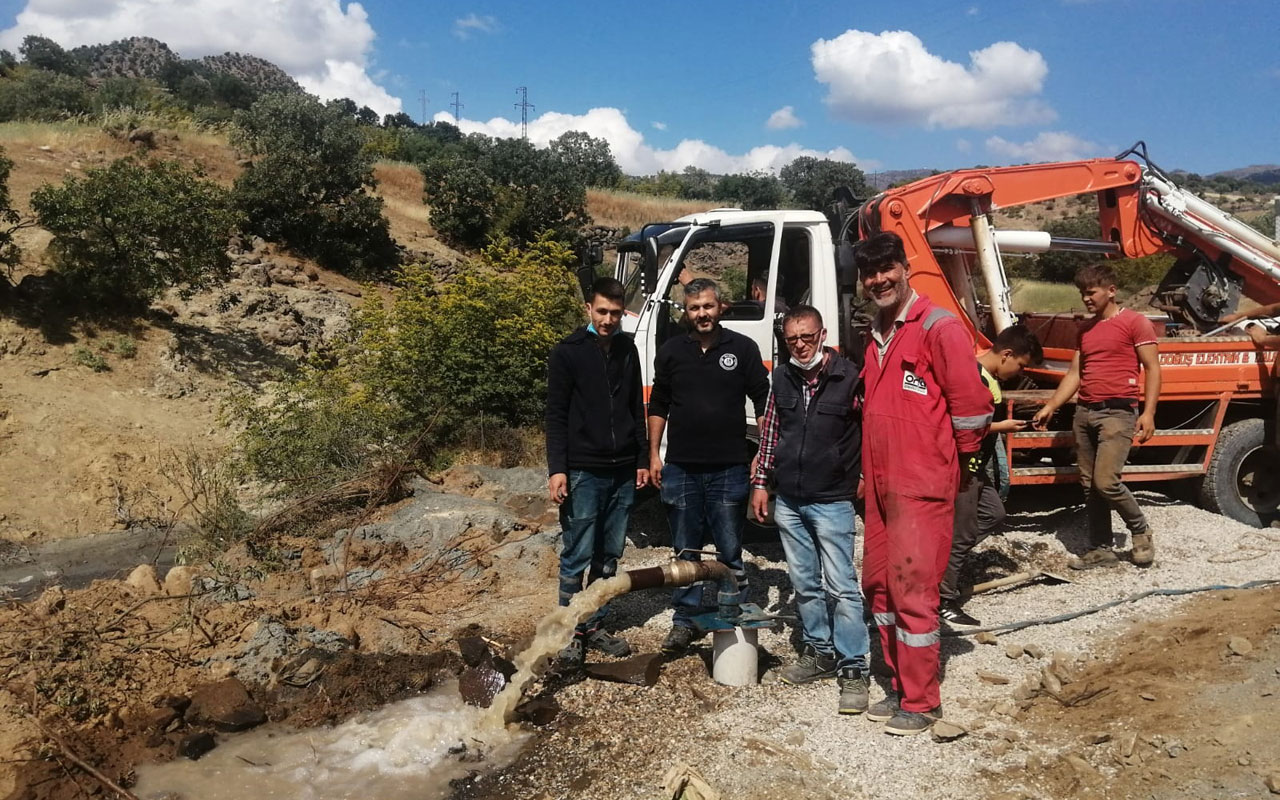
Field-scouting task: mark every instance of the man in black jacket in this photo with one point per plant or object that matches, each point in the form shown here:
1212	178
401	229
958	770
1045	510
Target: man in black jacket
810	444
701	383
596	454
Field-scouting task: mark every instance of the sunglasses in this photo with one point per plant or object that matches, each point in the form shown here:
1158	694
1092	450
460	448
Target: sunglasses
807	338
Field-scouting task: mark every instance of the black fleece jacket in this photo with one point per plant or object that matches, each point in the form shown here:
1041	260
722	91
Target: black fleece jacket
703	397
595	405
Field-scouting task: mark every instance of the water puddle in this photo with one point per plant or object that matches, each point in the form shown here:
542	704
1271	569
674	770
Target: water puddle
408	750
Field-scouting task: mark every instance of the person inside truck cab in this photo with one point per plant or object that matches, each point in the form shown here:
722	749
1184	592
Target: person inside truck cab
1112	349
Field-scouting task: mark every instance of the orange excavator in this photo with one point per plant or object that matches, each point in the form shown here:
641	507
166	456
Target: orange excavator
1217	417
1216	422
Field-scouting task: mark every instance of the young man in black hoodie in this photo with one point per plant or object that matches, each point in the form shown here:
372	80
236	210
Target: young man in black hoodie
597	456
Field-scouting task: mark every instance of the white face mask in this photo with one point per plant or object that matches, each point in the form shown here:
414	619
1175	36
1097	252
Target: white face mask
816	358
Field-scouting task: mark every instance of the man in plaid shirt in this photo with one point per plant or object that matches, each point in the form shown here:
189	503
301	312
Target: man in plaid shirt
810	444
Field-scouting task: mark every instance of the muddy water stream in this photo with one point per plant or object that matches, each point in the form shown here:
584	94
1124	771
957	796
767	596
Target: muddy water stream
409	750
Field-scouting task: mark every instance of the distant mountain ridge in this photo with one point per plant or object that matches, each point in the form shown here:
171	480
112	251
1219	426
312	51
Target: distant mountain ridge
145	57
1258	173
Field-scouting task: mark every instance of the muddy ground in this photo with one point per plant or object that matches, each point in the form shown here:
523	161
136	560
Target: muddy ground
1171	698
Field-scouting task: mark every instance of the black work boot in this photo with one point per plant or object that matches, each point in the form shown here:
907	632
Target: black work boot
811	666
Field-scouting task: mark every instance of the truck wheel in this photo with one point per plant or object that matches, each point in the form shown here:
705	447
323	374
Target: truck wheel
1243	481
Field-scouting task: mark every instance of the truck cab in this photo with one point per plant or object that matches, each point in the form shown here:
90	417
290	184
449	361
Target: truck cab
764	262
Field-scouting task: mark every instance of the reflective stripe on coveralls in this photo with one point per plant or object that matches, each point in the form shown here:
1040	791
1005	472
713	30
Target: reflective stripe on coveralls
924	403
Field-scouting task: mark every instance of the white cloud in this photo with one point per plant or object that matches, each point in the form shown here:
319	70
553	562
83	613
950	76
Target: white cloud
637	158
474	23
964	145
659	126
783	119
1047	146
890	77
320	43
972	11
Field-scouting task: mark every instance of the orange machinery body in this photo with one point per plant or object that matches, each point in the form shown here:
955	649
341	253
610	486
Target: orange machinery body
1203	374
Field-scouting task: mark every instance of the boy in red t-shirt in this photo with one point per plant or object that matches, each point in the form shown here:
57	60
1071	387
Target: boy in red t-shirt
1109	351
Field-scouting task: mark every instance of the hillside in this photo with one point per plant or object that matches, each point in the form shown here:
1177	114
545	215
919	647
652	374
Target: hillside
144	57
86	451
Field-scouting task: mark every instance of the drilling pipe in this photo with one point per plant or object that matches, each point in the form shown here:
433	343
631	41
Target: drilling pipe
683	573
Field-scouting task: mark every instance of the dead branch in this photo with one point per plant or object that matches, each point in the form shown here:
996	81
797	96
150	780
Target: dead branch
81	763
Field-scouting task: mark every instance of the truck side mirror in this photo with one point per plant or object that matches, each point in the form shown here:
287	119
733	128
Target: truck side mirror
586	276
649	266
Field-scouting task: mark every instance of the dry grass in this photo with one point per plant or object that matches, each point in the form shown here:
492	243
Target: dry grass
633	210
1045	296
400	186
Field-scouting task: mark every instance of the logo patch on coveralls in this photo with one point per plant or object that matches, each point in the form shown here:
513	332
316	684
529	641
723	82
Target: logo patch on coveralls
912	383
728	361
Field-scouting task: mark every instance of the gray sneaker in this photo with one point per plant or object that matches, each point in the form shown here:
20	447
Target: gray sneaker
884	710
853	691
909	723
811	666
607	643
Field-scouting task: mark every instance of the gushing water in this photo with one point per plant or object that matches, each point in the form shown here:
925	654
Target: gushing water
553	634
408	750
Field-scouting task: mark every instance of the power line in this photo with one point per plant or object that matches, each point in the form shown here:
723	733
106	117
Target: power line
422	96
457	106
524	105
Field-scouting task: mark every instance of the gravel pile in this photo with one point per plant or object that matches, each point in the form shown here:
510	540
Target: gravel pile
742	737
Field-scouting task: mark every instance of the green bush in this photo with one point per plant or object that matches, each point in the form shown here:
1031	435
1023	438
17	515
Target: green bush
87	358
425	368
503	188
10	223
125	232
123	346
811	181
309	184
37	94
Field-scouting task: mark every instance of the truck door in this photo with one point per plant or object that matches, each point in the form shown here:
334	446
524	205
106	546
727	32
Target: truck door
740	259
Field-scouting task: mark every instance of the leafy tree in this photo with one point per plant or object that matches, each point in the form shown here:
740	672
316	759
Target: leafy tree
7	63
752	190
309	184
590	157
502	187
367	116
398	120
462	197
230	91
121	92
37	94
414	369
1062	266
10	223
697	184
811	181
43	53
125	232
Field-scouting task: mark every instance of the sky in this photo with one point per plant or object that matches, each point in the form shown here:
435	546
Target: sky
750	85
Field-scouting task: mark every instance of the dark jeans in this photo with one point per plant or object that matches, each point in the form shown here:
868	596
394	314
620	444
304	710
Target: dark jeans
705	504
593	522
1103	439
979	511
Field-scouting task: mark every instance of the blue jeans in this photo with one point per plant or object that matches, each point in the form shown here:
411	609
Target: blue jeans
705	504
818	541
593	523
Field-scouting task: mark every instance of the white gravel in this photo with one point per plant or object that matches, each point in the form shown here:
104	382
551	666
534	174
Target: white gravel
772	724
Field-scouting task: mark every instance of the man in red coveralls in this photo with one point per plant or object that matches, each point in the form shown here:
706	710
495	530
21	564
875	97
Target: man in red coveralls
925	415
